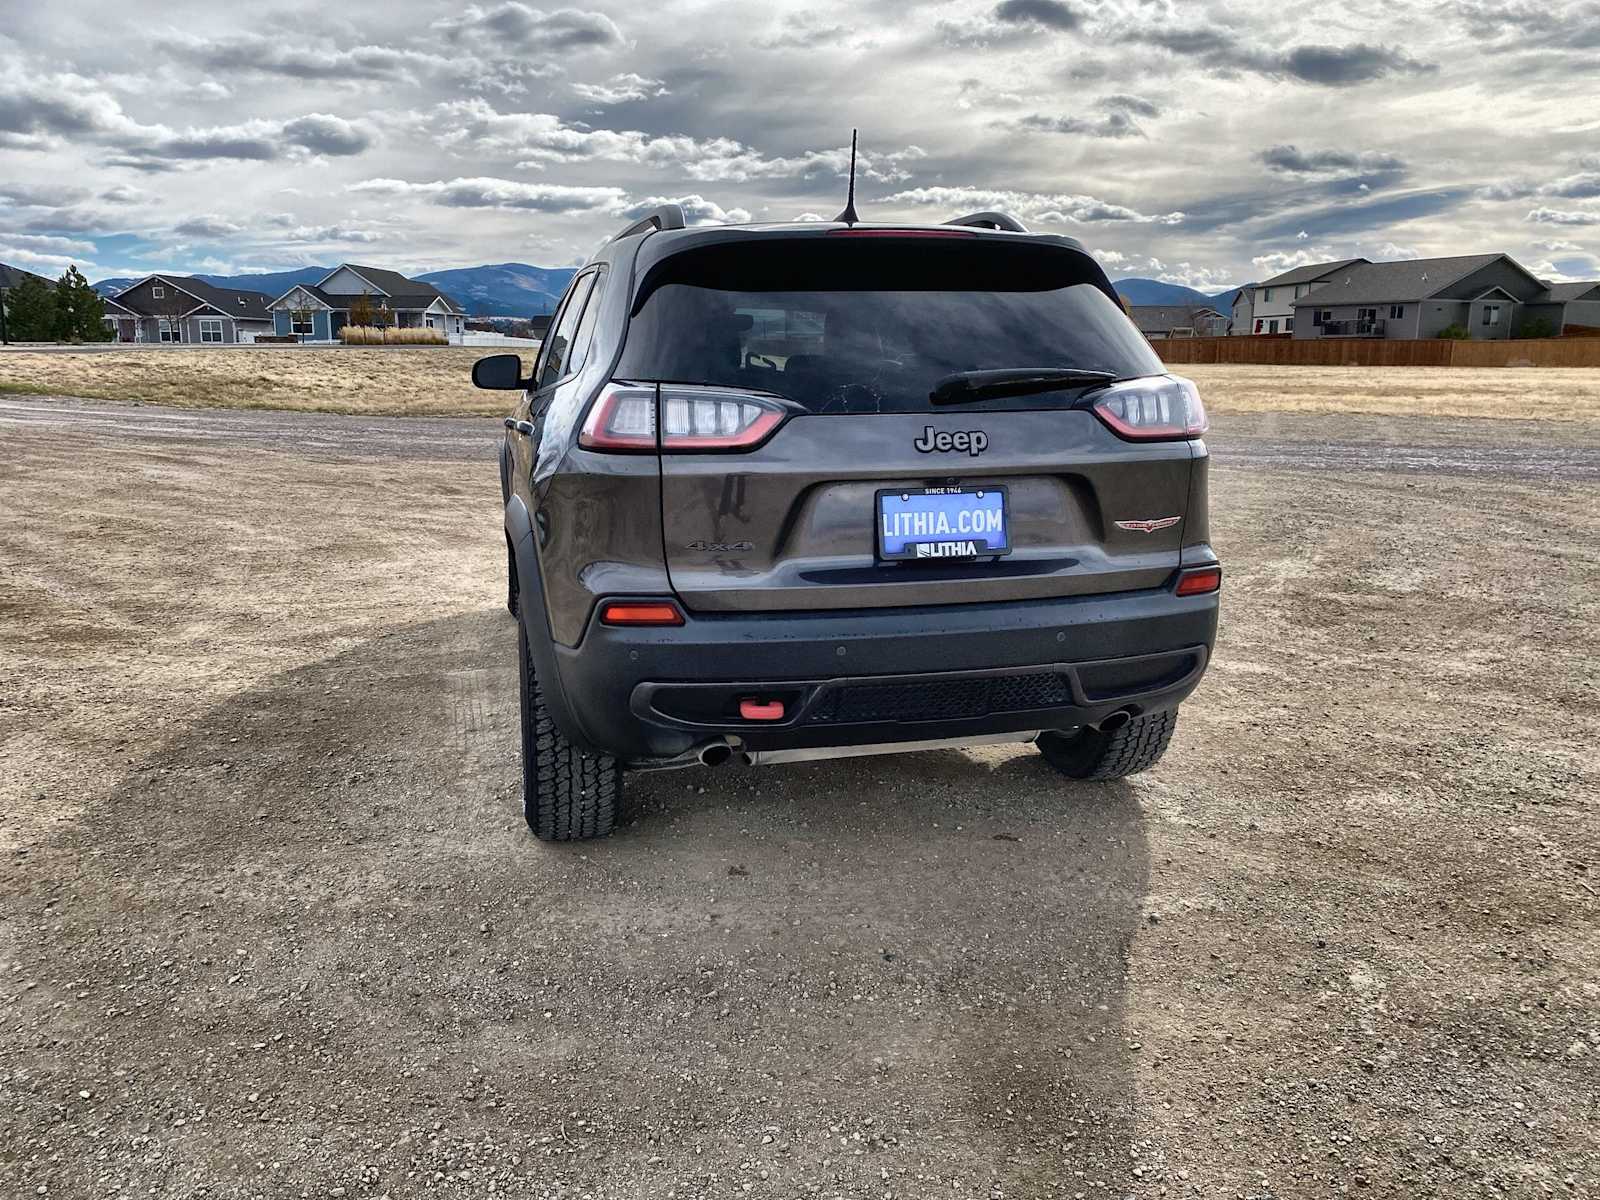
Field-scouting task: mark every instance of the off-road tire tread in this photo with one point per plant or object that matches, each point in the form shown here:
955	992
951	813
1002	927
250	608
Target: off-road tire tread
1135	747
567	795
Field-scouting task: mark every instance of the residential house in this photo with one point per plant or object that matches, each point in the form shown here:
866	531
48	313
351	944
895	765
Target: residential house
316	312
181	308
1566	306
1486	294
1274	300
1160	321
1240	305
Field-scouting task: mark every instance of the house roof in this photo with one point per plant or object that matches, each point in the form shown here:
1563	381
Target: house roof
1309	273
1395	282
396	287
232	302
1565	293
1159	318
10	277
410	294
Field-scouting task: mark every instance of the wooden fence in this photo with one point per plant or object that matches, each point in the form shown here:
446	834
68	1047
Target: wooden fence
1377	352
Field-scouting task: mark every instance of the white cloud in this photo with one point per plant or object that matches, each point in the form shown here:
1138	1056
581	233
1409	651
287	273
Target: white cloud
621	88
485	192
538	140
696	208
1051	208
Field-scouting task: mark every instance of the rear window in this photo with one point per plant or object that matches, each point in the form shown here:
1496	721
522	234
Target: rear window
871	325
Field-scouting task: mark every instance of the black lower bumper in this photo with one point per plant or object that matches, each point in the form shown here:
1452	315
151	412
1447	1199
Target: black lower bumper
651	695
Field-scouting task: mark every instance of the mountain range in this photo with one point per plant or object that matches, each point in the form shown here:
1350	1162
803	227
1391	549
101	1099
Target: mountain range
1156	291
521	290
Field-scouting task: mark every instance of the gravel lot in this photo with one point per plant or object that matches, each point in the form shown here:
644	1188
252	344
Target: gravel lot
271	925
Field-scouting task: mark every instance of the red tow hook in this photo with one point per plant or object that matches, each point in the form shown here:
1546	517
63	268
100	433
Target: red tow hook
761	710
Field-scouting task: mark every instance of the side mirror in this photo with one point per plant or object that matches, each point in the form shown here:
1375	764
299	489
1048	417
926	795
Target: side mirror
499	373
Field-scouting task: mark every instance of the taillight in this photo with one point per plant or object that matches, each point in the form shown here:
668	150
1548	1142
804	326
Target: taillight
693	420
1161	408
1197	581
700	419
640	612
622	419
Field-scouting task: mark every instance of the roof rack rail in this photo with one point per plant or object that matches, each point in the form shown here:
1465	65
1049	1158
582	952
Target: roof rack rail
990	220
663	216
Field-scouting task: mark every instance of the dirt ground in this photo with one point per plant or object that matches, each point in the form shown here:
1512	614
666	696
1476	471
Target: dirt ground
271	924
430	381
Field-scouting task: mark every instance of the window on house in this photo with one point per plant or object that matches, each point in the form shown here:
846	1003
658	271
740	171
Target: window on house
1491	314
169	331
1272	326
157	292
1366	314
301	324
1396	311
210	330
1259	324
1288	326
1266	295
1324	315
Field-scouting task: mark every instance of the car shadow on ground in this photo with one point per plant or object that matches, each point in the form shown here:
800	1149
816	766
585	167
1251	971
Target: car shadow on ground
888	972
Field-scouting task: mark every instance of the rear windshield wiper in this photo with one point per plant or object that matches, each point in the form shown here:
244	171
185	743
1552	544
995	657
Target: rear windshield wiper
964	387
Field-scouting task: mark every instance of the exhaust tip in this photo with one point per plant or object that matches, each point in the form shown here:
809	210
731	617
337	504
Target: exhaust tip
715	755
1116	721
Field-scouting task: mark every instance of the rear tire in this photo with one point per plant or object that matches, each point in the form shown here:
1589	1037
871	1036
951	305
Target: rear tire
1095	754
567	796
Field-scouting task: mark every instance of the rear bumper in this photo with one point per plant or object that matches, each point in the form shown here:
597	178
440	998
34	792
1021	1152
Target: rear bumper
872	676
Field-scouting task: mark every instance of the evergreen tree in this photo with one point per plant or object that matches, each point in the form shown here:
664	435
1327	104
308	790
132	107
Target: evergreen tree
30	311
78	309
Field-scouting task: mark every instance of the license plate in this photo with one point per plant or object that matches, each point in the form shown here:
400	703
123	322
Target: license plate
942	523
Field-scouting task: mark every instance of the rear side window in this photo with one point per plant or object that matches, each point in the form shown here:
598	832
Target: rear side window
871	325
559	349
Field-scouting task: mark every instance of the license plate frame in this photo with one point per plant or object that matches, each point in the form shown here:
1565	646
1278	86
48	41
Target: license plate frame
908	551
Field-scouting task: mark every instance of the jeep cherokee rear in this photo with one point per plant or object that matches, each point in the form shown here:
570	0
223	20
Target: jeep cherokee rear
774	492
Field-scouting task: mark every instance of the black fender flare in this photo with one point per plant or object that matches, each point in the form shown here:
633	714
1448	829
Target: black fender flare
536	622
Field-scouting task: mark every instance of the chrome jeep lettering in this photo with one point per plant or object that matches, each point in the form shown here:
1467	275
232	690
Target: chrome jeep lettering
968	441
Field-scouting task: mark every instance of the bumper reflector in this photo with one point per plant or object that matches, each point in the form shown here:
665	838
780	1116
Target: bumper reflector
761	710
1197	581
640	612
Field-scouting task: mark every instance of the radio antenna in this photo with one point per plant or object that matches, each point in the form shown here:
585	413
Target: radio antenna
848	216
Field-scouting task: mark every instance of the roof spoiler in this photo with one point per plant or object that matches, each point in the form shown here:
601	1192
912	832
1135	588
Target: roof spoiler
990	220
663	216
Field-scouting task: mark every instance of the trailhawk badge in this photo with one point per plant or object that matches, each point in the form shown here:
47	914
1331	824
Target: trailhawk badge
1149	526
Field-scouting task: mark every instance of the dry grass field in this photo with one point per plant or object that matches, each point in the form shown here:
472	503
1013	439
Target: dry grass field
427	381
399	381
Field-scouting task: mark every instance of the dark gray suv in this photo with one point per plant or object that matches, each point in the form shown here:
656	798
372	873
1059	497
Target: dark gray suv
776	492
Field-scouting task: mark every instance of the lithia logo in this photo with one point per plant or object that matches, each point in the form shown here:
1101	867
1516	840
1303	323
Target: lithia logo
973	441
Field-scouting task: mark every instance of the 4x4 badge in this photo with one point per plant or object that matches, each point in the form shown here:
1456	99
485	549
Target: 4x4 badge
1149	526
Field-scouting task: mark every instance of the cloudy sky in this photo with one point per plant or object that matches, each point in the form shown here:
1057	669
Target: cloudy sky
1207	143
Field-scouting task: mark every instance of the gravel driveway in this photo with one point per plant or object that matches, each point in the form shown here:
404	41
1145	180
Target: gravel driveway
271	924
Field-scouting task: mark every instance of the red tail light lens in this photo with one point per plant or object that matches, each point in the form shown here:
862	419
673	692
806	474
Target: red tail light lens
622	420
695	420
640	612
1197	581
1162	408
